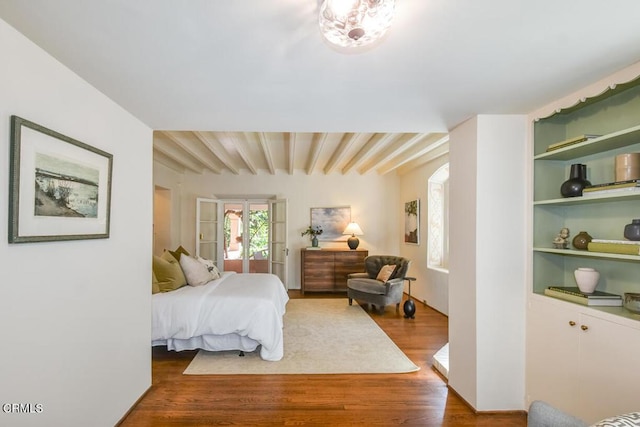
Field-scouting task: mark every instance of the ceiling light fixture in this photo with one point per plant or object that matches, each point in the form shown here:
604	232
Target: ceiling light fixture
353	23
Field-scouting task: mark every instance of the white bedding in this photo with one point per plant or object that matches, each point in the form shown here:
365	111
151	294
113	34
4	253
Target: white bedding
234	312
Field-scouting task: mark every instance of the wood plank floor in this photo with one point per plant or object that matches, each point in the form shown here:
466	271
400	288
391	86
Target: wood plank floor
420	398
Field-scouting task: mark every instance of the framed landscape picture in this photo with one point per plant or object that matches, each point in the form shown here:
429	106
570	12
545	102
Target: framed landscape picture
59	189
412	222
332	220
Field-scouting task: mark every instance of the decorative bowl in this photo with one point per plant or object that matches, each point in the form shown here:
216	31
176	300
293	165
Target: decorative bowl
586	279
632	301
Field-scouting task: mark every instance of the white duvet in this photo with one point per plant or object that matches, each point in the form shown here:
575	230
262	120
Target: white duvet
238	308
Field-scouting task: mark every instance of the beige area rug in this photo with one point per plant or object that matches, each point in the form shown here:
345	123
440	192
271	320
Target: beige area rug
321	336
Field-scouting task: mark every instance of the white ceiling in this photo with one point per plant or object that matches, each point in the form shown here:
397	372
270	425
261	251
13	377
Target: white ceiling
256	74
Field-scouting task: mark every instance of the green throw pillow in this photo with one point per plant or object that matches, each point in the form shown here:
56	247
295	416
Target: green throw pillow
155	284
178	252
168	272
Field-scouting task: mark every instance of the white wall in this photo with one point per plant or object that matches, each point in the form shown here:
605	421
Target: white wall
462	260
374	200
171	181
430	285
76	314
488	189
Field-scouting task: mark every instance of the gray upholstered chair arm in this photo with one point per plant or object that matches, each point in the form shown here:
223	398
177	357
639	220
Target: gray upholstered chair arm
541	414
358	276
389	284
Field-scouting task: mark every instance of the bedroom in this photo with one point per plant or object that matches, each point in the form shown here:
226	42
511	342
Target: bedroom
108	347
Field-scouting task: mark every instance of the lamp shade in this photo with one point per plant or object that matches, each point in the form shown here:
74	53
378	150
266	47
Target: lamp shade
355	230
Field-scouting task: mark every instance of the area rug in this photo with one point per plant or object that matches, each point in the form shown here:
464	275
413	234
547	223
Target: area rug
321	336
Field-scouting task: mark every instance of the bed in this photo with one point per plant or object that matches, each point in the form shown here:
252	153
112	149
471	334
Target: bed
238	311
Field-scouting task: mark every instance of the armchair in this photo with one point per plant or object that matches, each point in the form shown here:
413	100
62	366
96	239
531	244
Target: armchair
370	288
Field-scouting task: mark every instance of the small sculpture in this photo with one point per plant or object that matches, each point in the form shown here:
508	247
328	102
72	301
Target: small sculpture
561	241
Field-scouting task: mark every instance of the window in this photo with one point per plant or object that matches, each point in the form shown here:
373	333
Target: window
437	219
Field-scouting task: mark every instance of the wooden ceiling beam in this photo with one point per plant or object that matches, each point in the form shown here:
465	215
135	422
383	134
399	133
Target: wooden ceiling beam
171	150
372	145
290	151
427	145
431	156
196	150
348	139
266	151
242	152
216	149
161	158
317	145
391	150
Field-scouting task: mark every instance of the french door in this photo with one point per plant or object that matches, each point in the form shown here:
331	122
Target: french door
279	249
245	236
207	229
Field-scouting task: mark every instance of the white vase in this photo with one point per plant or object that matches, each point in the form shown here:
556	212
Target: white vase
587	279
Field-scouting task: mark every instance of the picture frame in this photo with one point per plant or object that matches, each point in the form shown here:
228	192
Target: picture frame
59	188
333	221
412	222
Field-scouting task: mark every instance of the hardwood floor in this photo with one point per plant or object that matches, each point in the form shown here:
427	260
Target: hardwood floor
419	398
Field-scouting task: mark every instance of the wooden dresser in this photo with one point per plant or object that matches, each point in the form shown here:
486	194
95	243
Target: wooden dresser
326	270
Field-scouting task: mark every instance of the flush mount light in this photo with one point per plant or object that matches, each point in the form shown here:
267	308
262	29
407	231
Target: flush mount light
353	23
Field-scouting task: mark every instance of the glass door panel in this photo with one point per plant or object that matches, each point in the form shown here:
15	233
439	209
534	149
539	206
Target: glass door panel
207	229
233	236
258	238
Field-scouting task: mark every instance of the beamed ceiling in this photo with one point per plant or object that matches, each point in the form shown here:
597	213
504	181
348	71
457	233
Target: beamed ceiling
286	152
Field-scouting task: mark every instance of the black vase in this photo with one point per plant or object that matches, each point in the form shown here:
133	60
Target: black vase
577	181
632	231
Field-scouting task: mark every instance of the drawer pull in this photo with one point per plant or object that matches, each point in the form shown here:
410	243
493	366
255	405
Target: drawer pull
584	327
572	323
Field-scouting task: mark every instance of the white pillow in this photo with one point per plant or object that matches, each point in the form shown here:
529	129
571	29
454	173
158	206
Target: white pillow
210	266
197	274
630	419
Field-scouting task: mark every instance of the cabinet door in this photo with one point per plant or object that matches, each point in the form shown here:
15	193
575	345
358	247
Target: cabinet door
347	262
318	271
552	354
609	381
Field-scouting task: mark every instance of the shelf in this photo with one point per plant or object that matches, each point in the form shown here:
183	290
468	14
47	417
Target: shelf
607	142
588	254
592	198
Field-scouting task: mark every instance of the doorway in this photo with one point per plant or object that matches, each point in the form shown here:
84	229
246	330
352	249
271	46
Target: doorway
246	236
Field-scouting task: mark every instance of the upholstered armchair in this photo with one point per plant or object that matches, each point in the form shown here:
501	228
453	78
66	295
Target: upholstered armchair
381	284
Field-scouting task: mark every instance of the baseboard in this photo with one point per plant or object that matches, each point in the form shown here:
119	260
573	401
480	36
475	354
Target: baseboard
426	304
499	412
126	414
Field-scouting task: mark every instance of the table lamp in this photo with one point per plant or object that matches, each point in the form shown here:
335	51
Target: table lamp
355	230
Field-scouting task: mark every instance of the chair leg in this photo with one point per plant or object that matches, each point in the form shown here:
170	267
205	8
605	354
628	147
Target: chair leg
350	301
397	308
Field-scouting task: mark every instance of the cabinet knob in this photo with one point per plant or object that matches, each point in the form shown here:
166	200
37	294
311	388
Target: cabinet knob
572	323
584	327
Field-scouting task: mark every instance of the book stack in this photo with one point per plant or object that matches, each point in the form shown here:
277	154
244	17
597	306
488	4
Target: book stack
626	247
612	187
571	141
573	294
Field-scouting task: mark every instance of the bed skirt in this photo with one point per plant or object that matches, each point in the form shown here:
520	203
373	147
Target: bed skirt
210	343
